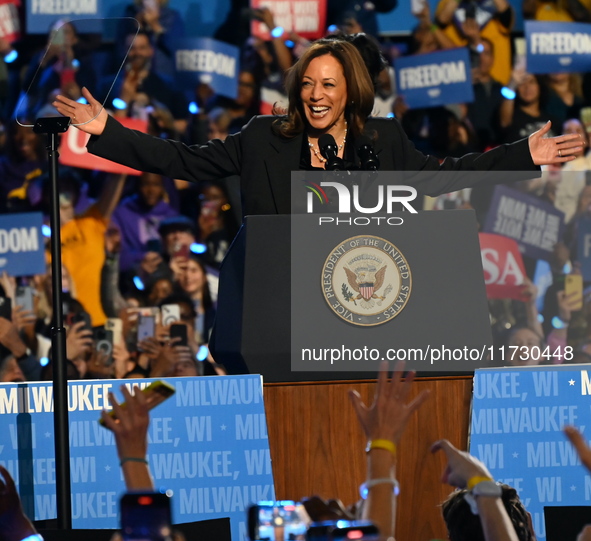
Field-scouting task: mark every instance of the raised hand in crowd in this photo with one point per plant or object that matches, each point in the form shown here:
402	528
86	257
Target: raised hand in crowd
78	341
14	524
169	354
461	466
383	423
467	472
389	413
580	444
149	16
24	320
99	365
131	437
10	338
8	283
471	30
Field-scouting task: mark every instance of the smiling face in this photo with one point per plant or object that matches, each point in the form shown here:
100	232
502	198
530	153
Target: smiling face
324	94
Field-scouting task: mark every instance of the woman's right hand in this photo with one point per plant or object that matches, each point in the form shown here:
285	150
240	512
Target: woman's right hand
89	117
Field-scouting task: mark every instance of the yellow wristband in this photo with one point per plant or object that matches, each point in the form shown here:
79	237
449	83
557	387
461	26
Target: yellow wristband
473	481
381	444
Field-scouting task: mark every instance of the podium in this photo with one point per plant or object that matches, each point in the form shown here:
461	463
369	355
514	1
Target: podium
259	294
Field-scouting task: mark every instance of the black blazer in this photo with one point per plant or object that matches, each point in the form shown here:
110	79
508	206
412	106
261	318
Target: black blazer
264	160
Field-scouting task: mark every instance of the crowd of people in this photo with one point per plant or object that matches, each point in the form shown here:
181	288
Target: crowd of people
132	244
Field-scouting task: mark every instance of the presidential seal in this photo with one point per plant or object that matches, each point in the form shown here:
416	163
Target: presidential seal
366	280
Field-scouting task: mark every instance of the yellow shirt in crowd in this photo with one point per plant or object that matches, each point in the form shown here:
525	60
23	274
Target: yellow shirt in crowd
83	255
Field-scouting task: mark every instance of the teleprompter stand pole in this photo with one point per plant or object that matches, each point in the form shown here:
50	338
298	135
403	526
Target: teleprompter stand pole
52	127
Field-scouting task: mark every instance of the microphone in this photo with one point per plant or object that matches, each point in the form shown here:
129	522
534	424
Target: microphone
330	150
369	159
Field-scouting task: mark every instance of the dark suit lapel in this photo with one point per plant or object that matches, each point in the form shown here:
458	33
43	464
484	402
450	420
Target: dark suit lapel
280	163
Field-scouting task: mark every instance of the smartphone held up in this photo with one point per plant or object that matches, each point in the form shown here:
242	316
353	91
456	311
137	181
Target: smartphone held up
145	516
155	393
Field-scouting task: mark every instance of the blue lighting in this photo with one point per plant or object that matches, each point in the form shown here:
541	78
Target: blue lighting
11	57
289	43
46	230
75	63
82	100
277	32
390	115
43	361
333	28
198	248
557	323
507	93
138	283
540	318
479	48
202	353
118	103
193	108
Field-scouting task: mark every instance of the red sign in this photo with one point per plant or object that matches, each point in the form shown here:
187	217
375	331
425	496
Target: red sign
10	25
504	272
73	151
307	18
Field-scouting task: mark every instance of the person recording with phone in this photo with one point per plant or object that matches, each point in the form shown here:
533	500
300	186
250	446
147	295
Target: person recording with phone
330	94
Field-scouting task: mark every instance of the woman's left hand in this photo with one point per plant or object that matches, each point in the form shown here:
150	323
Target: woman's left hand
550	150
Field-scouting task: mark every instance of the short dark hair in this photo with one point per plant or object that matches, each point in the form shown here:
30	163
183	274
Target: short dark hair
463	525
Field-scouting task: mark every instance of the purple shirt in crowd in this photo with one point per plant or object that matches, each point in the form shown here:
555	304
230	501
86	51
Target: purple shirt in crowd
138	225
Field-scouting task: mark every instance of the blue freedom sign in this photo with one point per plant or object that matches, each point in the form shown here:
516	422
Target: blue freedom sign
21	244
535	224
516	429
430	80
557	47
42	14
208	444
207	61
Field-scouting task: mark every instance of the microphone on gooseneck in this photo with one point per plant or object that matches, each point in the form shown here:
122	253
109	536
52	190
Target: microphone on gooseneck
330	150
367	156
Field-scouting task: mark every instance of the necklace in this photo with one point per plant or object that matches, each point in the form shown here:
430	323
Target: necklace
316	152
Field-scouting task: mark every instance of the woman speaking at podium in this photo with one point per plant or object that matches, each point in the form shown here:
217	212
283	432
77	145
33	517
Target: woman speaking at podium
330	93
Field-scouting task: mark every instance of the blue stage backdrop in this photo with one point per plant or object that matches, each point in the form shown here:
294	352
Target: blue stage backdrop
208	444
516	430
